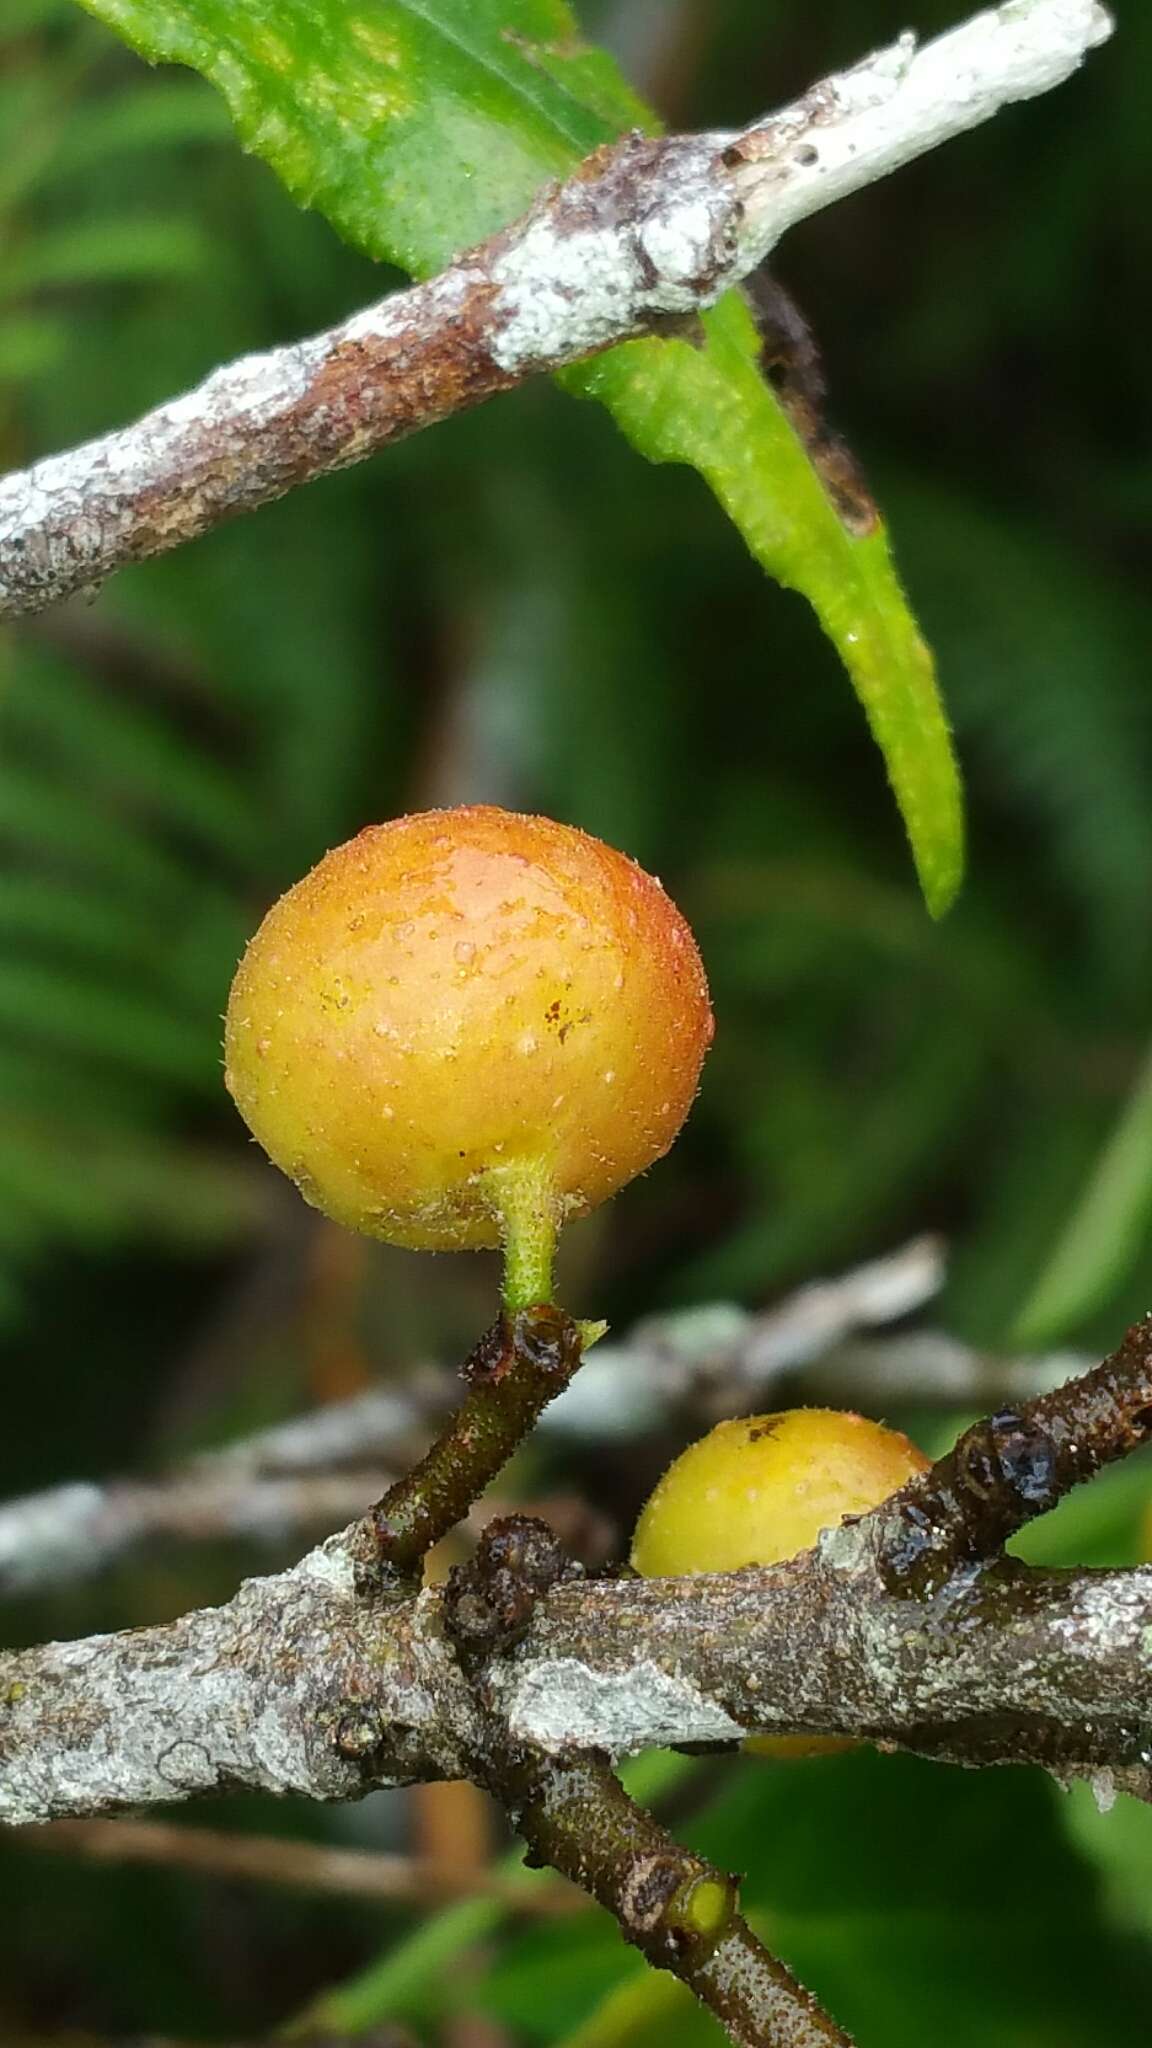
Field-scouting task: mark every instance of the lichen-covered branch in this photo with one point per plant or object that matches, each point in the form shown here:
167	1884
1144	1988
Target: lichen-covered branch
647	230
906	1625
301	1685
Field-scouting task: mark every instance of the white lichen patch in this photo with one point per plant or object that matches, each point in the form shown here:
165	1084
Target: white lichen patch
846	1548
1103	1789
682	242
556	284
904	101
330	1566
560	1703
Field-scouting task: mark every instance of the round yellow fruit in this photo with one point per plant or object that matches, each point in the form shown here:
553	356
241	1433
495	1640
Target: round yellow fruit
464	1019
761	1489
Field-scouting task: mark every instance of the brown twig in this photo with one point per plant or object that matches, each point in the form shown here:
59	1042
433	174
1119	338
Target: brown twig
523	1362
676	1908
1005	1471
296	1865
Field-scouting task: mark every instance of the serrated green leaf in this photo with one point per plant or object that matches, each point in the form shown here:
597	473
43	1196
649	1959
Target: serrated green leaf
712	409
420	128
416	126
1107	1229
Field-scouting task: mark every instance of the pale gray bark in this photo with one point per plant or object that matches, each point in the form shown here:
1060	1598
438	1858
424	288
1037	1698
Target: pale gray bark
307	1683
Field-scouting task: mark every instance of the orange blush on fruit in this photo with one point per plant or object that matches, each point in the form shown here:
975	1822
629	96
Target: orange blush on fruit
466	1026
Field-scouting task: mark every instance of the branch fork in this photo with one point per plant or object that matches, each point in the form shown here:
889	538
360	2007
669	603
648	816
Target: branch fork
531	1678
575	1816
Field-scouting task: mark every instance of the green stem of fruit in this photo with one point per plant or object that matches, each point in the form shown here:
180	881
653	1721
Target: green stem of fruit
524	1196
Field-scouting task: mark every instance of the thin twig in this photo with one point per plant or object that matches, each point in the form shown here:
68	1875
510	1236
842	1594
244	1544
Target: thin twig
648	230
932	1369
526	1359
677	1909
719	1359
296	1865
74	1531
1010	1468
309	1475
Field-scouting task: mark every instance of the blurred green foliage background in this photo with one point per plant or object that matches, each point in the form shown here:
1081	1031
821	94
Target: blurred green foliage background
514	608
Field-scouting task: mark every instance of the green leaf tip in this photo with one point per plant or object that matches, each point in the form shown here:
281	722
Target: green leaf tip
418	127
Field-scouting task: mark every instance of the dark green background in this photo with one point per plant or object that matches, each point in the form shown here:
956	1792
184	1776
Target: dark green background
514	608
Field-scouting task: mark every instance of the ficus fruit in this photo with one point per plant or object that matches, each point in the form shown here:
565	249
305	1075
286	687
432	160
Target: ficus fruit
760	1489
465	1027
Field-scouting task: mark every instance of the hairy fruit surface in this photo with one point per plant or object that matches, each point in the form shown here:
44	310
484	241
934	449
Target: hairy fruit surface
464	1019
760	1489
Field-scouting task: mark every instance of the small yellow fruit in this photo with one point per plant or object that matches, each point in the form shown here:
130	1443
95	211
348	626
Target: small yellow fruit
464	1021
759	1490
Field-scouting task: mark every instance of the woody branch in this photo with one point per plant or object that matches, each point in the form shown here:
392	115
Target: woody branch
649	231
303	1683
